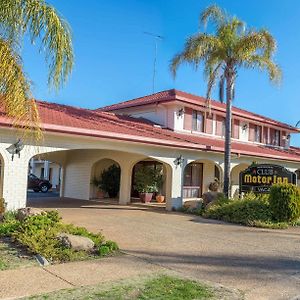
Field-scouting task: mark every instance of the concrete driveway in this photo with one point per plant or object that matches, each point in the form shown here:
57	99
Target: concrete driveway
264	264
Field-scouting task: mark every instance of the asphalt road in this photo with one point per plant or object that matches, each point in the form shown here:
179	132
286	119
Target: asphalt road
33	195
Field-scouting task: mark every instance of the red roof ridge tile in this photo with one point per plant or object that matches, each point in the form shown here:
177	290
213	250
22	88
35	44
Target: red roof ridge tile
174	94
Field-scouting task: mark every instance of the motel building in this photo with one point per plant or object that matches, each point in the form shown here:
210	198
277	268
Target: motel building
171	129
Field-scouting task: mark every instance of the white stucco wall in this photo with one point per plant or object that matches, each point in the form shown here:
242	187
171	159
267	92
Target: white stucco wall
77	155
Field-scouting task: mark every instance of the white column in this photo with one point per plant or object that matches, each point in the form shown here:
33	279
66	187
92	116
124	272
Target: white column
175	181
15	176
46	169
125	184
32	166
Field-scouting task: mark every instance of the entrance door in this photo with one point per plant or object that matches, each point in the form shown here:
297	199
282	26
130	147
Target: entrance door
193	178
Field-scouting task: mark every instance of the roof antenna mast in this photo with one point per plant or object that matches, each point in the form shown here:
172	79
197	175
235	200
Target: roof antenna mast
156	38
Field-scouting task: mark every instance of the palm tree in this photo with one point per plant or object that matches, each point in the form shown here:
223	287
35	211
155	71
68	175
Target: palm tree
43	25
223	53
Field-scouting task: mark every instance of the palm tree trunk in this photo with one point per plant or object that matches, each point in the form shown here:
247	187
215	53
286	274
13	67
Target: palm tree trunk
229	74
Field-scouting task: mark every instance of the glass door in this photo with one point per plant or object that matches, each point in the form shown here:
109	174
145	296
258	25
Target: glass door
193	178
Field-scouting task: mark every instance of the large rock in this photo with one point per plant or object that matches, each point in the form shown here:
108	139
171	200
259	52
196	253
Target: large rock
210	198
76	242
23	213
192	204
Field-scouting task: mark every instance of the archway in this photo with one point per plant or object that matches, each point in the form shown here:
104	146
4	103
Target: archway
197	177
44	179
105	179
298	177
161	169
235	178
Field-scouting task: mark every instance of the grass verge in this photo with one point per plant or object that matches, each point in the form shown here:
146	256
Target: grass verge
164	287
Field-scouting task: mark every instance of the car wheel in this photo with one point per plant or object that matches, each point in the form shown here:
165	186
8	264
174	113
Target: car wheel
36	190
44	188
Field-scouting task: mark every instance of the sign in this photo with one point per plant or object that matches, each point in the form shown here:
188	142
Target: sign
260	178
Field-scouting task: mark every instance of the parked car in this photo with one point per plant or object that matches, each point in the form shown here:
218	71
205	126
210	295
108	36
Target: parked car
38	185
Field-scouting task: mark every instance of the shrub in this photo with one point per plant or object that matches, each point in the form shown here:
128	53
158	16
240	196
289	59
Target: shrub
9	225
110	180
146	179
245	211
108	248
39	235
285	202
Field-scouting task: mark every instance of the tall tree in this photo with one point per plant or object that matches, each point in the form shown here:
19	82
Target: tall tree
230	47
44	26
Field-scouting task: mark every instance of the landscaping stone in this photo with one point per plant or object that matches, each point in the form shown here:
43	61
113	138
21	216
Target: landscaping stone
210	197
193	204
76	242
23	213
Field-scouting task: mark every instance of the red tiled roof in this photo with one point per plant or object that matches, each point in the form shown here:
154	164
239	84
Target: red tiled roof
176	95
78	121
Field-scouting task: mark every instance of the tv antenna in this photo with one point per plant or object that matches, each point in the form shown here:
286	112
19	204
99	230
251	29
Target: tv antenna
156	39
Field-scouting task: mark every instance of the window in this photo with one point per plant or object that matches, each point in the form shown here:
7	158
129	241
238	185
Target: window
257	133
198	121
223	128
193	174
277	138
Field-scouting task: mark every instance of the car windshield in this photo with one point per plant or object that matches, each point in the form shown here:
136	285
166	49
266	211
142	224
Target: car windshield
31	176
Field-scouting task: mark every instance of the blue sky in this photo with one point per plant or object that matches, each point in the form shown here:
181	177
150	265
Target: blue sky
114	59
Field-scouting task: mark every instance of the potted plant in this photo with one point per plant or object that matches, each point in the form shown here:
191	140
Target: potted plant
159	183
100	193
110	180
145	183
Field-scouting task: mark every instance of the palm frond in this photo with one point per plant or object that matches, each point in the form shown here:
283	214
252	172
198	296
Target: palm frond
15	91
213	13
255	42
263	63
43	22
196	48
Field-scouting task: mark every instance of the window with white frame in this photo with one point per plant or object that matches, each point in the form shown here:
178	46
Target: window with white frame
276	137
198	121
257	133
223	128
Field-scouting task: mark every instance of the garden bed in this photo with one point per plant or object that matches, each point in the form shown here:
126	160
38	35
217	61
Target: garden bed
45	234
279	210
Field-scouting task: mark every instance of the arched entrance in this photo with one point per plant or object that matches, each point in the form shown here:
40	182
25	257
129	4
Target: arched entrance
160	169
235	178
44	179
105	179
197	177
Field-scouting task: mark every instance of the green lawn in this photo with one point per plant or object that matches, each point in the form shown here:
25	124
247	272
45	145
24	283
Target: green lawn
12	258
162	287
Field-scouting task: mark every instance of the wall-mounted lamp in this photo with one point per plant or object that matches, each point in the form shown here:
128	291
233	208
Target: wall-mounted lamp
245	127
180	112
179	160
15	148
288	137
